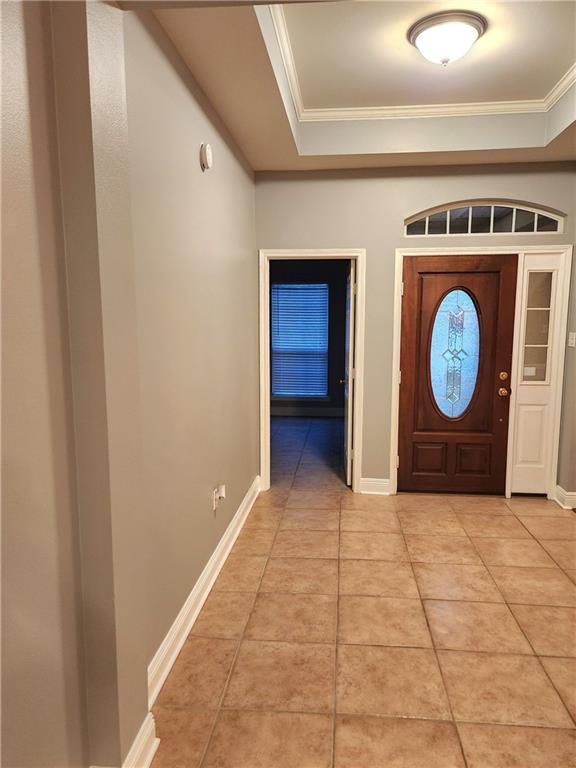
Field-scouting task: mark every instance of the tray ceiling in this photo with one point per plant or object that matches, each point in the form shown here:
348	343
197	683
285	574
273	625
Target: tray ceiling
357	54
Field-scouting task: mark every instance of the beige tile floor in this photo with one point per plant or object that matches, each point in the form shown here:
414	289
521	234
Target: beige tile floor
353	631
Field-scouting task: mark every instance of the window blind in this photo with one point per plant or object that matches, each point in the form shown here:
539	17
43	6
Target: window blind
299	319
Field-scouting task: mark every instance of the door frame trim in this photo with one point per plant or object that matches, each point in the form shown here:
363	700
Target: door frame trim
349	254
562	250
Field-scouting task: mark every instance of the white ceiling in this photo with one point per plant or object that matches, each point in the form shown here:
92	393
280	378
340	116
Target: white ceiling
238	59
357	54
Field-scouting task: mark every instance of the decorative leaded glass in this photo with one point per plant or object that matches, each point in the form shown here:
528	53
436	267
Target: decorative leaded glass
455	353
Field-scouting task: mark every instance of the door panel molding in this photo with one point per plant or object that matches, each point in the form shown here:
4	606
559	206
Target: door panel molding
561	255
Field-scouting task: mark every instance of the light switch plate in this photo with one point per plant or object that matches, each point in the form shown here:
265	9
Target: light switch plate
572	338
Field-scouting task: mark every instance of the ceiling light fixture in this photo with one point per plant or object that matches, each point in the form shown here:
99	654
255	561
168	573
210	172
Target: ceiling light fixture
445	37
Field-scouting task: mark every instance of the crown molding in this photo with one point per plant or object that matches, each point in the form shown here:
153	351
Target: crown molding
306	115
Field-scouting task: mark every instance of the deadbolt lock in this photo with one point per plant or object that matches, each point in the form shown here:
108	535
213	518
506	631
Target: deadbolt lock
503	392
503	375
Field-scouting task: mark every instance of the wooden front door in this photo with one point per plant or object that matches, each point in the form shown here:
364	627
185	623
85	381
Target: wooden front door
455	361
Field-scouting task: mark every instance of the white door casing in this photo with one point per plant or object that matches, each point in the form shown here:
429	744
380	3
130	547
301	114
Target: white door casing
357	256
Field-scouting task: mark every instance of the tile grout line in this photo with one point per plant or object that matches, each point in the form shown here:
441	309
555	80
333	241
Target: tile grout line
465	761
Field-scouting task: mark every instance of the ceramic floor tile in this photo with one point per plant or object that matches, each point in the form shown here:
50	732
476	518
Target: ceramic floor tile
183	737
254	541
369	503
297	618
240	574
224	614
199	675
310	519
551	631
424	502
501	688
520	552
270	740
456	582
378	578
562	672
282	676
382	520
550	528
493	526
379	742
441	549
301	575
398	682
264	517
432	522
356	545
382	621
563	552
535	586
314	499
505	746
487	505
474	627
271	498
317	544
536	506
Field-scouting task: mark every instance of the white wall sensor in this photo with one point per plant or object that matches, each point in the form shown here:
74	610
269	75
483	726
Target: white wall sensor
205	157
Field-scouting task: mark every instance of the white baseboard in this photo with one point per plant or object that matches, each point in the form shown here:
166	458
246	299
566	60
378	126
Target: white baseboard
170	647
144	746
566	499
375	485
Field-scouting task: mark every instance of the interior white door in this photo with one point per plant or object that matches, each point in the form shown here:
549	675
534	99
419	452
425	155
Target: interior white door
349	372
538	370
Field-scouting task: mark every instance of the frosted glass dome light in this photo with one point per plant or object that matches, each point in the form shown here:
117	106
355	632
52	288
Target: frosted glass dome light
446	37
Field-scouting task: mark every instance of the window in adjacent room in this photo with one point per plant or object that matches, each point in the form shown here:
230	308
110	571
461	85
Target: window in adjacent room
299	315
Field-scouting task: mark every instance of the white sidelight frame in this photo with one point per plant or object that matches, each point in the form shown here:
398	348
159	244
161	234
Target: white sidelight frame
561	252
358	255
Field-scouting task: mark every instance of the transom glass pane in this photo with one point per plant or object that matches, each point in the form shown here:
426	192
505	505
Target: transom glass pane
417	227
481	215
546	224
524	221
502	218
459	218
455	353
437	223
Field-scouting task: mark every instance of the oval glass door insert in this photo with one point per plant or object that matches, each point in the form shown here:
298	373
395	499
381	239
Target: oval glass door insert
455	353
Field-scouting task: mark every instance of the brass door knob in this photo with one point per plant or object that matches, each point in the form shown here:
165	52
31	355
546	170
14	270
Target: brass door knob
503	375
503	392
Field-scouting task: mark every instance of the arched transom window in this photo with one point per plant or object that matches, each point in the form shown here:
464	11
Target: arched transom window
484	217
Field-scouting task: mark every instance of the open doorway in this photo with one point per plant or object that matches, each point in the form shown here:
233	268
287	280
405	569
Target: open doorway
311	361
309	314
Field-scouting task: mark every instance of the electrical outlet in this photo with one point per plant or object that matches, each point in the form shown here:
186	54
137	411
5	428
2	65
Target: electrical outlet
572	339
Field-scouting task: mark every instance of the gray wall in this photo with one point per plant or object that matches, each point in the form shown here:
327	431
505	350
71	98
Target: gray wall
367	210
196	276
42	679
